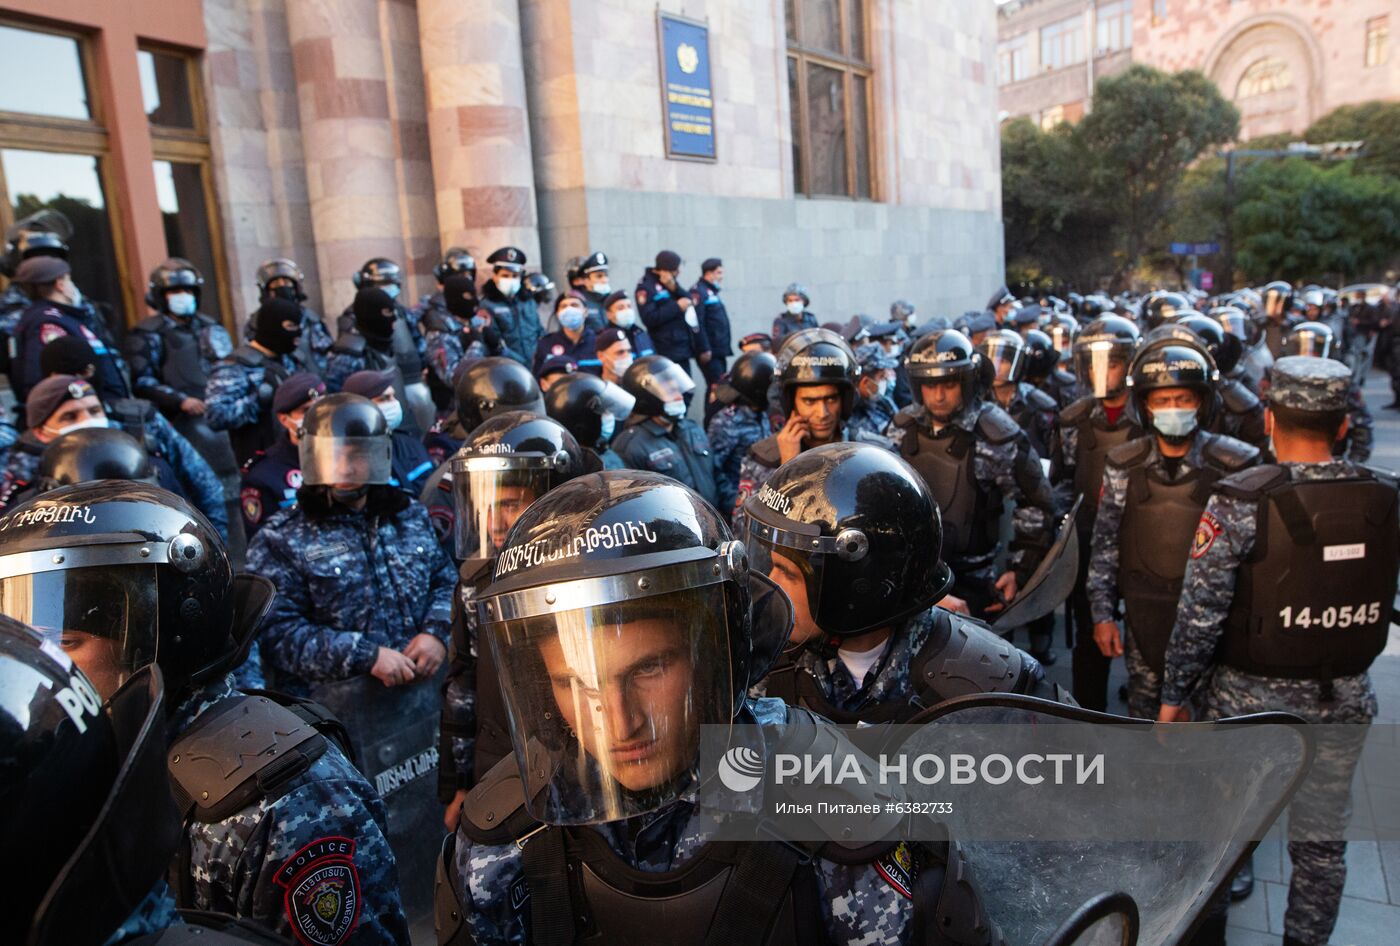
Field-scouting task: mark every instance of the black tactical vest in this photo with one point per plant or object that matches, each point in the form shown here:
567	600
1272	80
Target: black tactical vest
182	369
1096	439
1154	541
1313	600
971	515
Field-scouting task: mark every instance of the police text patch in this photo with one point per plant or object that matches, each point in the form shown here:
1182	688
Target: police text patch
899	870
1206	533
322	886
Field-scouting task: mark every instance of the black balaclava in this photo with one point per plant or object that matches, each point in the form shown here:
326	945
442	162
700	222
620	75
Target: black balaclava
374	316
459	295
267	326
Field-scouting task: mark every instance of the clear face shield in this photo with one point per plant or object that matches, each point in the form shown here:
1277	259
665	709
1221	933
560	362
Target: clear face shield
1234	322
670	385
1062	337
1310	344
104	618
490	494
360	461
1102	367
1004	360
615	402
608	685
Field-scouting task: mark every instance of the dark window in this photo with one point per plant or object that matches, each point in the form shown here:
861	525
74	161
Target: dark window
829	88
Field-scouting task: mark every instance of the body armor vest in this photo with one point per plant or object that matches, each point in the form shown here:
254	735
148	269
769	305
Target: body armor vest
183	369
1315	596
1154	545
971	515
1096	439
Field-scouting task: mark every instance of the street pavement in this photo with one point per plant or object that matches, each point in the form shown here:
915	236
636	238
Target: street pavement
1370	914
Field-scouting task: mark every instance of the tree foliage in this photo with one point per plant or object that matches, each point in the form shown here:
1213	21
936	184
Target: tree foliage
1376	123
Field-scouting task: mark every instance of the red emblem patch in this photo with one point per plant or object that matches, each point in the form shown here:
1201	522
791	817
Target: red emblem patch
1206	533
294	479
48	332
251	501
323	891
899	870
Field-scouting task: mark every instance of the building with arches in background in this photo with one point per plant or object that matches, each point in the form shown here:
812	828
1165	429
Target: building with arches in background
1284	63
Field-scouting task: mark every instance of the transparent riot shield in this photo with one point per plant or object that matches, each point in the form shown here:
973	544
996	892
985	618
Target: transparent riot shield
394	732
1166	814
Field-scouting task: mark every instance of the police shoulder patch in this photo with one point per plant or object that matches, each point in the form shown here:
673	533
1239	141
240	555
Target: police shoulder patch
1206	532
49	331
294	478
899	869
251	501
322	887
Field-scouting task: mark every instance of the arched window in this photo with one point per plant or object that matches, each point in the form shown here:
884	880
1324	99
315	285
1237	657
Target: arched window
1269	74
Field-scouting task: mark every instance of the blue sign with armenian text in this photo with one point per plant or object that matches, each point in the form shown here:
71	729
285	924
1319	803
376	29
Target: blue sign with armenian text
687	96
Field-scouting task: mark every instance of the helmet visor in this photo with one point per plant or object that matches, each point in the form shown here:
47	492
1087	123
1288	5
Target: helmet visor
1004	361
617	402
670	384
607	701
789	558
1102	367
1307	343
104	617
1062	337
326	461
490	493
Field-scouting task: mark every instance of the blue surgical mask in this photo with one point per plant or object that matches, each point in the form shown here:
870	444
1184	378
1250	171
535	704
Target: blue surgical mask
180	303
478	322
393	413
674	409
391	290
1174	421
621	365
624	318
571	318
606	425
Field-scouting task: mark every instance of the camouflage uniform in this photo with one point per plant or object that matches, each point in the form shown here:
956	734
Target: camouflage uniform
315	345
246	864
238	398
1010	469
347	584
732	431
146	345
872	414
763	458
859	906
154	913
1144	683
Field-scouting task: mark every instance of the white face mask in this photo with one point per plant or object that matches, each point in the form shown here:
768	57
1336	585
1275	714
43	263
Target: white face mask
881	387
180	303
674	408
795	308
621	365
602	288
393	413
75	295
80	425
508	286
607	424
624	318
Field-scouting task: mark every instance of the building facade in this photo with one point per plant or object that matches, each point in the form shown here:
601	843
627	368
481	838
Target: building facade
1284	63
855	142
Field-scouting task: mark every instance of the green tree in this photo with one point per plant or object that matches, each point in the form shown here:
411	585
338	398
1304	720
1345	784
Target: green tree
1307	221
1376	123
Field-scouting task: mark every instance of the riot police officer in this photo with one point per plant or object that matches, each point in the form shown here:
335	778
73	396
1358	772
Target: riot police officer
238	397
371	347
593	288
432	312
593	410
1088	429
1286	603
973	457
1277	315
796	314
1240	413
282	278
658	637
484	388
873	645
1315	340
1154	489
1004	364
410	463
296	817
1043	371
815	389
272	477
508	463
741	422
59	308
659	436
1001	304
361	619
1160	308
405	342
874	406
506	308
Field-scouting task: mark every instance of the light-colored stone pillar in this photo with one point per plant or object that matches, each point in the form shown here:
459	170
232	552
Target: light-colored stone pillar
478	125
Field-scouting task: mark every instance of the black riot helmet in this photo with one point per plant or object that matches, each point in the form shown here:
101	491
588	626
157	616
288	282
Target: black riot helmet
1003	357
944	355
860	528
1175	363
457	261
505	465
1094	305
1162	307
1309	338
539	287
42	233
1277	299
94	453
1041	356
83	787
589	408
378	272
41	243
173	275
1237	322
656	381
1063	330
816	356
1103	350
1223	347
281	268
490	386
344	438
623	595
750	377
136	566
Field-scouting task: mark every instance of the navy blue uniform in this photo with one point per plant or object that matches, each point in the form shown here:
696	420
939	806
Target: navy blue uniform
714	319
517	319
681	452
271	479
44	321
661	313
583	352
410	463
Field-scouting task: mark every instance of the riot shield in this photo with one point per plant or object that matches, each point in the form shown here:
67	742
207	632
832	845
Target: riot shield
1106	920
1174	810
394	732
1052	581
